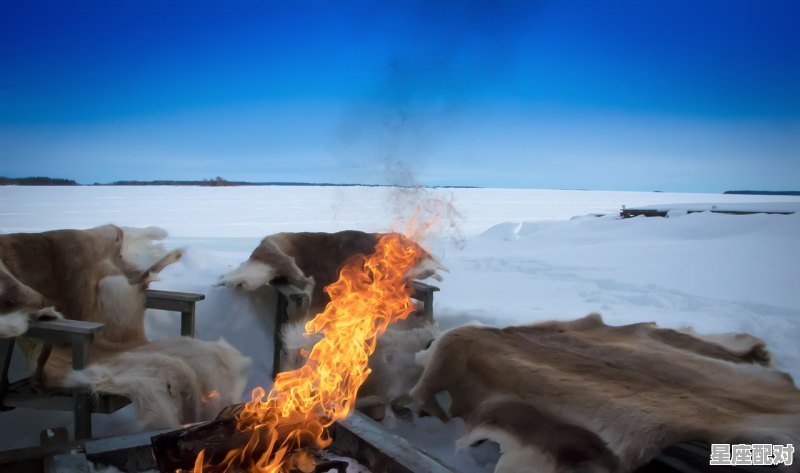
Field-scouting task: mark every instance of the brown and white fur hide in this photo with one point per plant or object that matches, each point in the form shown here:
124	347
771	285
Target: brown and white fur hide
171	381
100	275
630	390
531	439
82	275
19	304
311	261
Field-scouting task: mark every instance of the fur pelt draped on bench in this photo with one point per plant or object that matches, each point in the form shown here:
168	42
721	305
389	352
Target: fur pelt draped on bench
583	395
100	275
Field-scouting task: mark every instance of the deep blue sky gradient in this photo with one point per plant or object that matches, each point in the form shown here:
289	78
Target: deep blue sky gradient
641	95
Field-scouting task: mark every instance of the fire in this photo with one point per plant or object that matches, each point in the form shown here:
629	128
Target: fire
371	293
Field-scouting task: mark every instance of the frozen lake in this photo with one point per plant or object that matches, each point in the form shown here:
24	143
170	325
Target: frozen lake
515	256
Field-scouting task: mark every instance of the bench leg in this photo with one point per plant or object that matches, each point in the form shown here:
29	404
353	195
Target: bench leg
187	322
281	318
6	351
82	396
427	305
299	304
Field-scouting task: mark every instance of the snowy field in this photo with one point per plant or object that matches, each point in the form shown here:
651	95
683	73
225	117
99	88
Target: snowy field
515	256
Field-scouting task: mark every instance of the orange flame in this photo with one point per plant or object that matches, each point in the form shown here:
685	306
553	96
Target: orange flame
371	293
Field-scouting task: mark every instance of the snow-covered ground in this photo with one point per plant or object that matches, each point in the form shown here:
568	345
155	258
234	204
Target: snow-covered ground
515	256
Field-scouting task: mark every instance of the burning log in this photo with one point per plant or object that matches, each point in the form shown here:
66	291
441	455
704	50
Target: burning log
213	441
178	450
356	439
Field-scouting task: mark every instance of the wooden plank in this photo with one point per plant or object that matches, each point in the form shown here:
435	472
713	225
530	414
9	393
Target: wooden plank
169	305
53	402
419	286
281	309
126	453
183	302
62	330
99	447
9	458
173	295
173	301
187	323
82	396
424	293
286	296
370	443
21	394
6	352
67	463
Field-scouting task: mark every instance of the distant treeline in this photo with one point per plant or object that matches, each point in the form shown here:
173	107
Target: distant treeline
36	181
216	182
763	192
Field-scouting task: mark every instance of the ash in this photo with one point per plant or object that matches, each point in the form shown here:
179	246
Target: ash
347	465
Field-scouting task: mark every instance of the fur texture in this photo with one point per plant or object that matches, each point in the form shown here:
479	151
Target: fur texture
311	261
19	304
635	388
100	275
78	273
171	382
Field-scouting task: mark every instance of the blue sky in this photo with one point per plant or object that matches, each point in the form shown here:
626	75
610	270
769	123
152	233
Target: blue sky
625	95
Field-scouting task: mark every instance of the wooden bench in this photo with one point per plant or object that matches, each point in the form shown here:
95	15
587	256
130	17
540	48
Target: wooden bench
79	335
288	297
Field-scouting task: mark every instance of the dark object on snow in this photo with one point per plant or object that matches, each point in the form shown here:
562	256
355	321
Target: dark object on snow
629	213
763	192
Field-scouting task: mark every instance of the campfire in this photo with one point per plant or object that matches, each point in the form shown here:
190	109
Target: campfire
280	431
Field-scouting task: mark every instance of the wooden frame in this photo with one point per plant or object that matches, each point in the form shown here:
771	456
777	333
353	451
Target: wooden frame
79	335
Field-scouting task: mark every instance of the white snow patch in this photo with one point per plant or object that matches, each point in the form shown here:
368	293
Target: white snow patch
525	259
